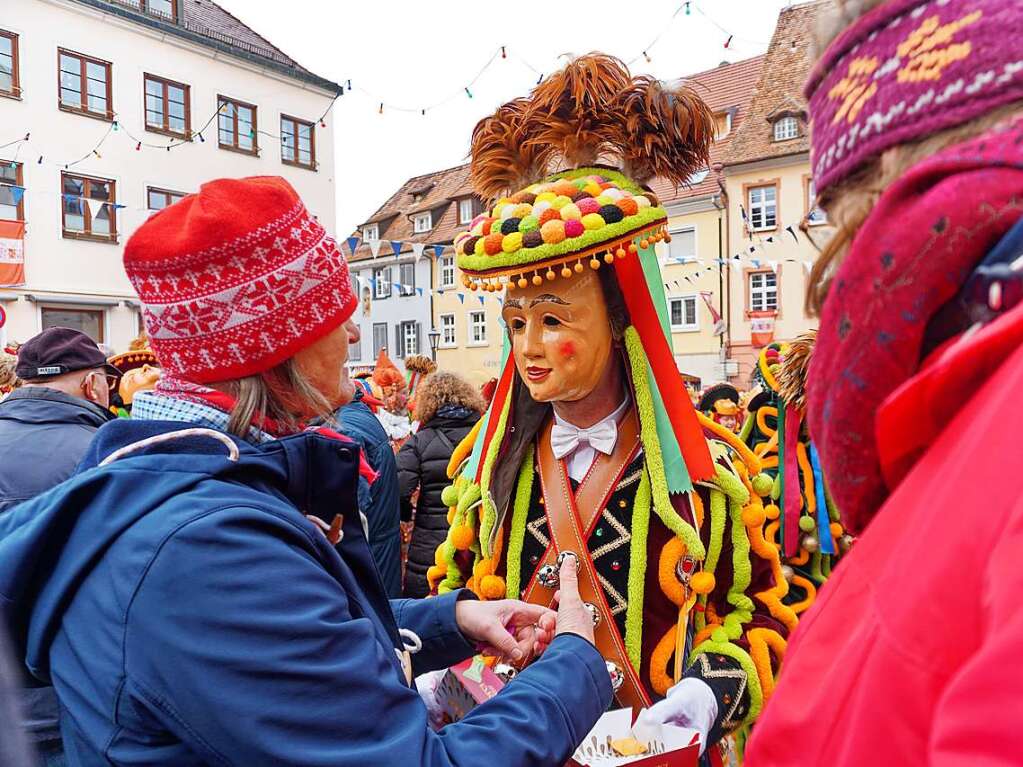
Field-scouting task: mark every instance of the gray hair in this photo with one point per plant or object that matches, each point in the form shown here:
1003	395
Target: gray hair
282	394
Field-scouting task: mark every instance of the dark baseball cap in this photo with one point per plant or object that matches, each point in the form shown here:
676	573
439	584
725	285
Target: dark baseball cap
57	351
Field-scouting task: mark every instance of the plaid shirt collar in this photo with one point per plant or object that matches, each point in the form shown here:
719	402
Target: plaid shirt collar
149	406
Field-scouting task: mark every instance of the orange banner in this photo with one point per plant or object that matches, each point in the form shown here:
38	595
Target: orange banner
12	253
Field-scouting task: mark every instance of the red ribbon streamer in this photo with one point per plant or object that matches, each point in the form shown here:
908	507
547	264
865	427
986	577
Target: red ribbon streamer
496	406
679	407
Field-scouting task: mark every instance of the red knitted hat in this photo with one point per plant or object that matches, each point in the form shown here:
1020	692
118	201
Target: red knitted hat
236	279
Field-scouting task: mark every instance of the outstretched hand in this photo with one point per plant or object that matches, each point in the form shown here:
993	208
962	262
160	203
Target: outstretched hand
513	631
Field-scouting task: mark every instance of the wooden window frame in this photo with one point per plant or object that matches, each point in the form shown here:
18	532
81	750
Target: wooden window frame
441	344
165	129
486	336
684	328
776	183
808	203
88	235
19	181
748	288
167	192
15	92
296	163
221	101
84	110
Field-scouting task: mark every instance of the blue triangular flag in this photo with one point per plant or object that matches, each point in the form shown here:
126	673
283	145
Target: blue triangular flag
461	298
438	250
373	282
756	263
420	292
396	247
17	192
481	300
353	243
397	286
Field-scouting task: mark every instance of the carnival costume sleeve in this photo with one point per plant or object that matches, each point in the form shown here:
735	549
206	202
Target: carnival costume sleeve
691	587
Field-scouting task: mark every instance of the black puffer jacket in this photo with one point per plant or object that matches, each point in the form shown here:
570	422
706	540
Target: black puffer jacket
423	463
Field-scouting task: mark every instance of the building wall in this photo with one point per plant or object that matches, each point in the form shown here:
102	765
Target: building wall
477	362
697	350
390	311
791	255
80	271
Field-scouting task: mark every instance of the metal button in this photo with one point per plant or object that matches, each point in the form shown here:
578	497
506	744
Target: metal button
594	613
548	577
562	555
617	677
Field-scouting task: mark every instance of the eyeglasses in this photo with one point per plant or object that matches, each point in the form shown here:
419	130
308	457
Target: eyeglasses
110	378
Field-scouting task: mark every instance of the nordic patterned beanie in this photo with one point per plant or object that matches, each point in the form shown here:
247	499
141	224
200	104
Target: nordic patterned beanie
236	279
907	69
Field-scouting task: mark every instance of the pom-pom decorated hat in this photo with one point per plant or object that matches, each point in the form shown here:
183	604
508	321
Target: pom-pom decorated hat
590	115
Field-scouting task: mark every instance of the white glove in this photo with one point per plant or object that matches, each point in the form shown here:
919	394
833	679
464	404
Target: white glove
690	703
426	686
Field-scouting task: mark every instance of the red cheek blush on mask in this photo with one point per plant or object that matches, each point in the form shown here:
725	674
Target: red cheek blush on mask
567	349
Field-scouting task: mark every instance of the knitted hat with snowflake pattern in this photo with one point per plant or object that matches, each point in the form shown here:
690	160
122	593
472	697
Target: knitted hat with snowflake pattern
236	279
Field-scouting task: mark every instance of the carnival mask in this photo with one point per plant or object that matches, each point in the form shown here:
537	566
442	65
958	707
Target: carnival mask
561	337
136	380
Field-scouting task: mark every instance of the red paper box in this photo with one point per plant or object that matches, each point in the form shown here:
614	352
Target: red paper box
465	686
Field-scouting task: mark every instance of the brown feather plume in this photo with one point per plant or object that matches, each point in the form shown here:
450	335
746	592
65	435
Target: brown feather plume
794	367
663	131
502	162
591	110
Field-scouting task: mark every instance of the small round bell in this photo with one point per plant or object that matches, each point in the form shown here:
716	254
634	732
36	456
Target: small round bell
505	672
846	542
594	613
811	544
788	573
617	677
548	577
562	555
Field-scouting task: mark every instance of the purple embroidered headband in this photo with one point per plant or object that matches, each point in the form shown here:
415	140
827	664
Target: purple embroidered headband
907	69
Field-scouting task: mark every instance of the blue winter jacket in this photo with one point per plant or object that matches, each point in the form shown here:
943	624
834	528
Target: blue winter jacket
189	614
379	501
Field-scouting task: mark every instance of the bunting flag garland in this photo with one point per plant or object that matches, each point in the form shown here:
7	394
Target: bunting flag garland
417	249
792	231
396	247
374	247
353	243
438	250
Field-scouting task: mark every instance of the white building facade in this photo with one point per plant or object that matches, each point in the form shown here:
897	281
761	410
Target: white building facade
127	105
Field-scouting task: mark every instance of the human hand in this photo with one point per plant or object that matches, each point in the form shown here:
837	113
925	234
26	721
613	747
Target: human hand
508	629
573	617
690	703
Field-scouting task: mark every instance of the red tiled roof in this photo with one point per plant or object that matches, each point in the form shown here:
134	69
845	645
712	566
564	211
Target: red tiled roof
780	89
726	88
443	187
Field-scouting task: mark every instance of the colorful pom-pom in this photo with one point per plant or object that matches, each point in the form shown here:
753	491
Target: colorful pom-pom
613	192
532	239
505	211
480	247
571	212
702	582
510	225
580	195
561	201
592	189
469	245
549	215
529	223
540	207
488	226
566	272
522	283
771	511
545	197
762	484
609	257
537	280
594	264
449	495
612	214
806	524
836	529
641	201
553	231
493	587
578	267
753	515
511	242
603	199
573	227
492	243
483	568
588	205
435	573
593	221
523	210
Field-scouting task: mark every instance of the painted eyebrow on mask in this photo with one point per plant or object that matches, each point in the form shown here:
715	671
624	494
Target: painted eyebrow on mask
548	298
513	303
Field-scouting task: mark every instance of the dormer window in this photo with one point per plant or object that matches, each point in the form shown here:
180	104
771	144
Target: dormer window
422	222
164	8
786	128
722	125
371	232
466	211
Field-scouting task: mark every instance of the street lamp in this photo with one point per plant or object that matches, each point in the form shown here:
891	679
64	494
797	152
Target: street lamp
434	336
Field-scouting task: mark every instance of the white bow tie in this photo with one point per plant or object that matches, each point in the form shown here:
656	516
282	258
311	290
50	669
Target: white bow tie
565	438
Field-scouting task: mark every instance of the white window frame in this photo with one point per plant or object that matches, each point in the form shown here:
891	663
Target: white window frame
815	216
61	307
422	222
761	207
371	232
447	272
786	128
677	230
445	326
762	291
409	341
472	327
463	206
407	288
373	338
382	287
685	327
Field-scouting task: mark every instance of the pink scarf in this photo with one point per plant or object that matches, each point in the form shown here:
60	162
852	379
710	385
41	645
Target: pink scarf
910	257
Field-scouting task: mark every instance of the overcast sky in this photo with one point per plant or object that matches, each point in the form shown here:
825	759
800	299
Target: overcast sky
413	54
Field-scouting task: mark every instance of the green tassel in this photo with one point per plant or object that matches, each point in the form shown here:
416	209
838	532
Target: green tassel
637	571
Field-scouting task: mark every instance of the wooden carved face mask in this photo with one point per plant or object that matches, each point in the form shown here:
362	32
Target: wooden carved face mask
561	337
